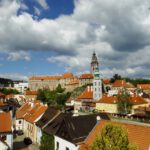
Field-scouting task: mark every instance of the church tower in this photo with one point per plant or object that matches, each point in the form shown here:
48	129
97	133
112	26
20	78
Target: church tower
97	83
94	63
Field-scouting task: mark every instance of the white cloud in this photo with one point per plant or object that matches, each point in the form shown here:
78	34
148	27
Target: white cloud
43	4
116	31
37	11
21	55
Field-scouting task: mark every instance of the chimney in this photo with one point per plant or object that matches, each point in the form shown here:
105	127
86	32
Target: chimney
88	88
76	113
98	118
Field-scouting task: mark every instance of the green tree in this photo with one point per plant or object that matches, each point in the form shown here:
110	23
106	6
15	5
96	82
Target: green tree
59	89
115	77
124	104
47	142
112	137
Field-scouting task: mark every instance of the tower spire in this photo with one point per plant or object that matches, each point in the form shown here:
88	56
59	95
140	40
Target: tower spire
94	63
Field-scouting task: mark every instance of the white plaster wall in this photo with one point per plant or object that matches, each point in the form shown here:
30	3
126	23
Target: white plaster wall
9	140
39	135
63	144
19	126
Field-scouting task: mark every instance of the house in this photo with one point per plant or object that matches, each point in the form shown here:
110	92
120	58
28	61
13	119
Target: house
6	135
144	87
109	103
138	134
30	119
50	114
85	100
31	95
74	130
20	114
27	116
121	84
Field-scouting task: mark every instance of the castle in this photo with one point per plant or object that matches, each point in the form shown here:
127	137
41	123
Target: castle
68	80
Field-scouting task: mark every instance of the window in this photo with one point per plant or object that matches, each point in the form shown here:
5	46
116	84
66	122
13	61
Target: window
57	146
19	121
67	148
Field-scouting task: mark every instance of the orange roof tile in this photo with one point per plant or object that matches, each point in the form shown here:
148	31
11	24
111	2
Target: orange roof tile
5	122
106	81
67	75
122	83
143	86
135	100
138	134
87	94
36	112
45	78
86	76
31	92
20	113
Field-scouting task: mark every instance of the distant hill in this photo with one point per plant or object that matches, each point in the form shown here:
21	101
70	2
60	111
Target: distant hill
5	82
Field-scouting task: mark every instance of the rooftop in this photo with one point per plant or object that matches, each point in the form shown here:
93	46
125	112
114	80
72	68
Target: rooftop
5	122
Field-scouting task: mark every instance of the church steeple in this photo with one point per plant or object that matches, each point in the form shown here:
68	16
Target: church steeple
97	83
94	63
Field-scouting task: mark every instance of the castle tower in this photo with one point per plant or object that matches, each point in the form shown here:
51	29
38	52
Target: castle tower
97	83
94	63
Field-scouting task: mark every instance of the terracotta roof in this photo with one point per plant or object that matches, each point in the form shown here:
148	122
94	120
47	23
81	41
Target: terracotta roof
87	94
2	95
106	81
143	86
20	113
10	96
122	83
68	75
135	100
86	76
138	134
108	99
35	113
5	122
57	77
31	92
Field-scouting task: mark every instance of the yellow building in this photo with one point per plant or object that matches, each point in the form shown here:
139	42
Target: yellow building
109	104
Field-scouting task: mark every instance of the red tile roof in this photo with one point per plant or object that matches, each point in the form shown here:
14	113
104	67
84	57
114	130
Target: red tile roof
5	122
135	100
106	81
122	83
57	77
68	75
87	94
35	113
31	92
86	76
138	134
143	86
30	111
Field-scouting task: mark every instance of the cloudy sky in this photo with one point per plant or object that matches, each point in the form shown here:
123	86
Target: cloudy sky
46	37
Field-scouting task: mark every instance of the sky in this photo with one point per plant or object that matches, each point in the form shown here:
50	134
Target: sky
50	37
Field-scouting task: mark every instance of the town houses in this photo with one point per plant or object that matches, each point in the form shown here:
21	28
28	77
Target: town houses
77	123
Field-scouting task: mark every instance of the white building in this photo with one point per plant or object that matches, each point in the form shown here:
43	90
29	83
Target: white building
21	86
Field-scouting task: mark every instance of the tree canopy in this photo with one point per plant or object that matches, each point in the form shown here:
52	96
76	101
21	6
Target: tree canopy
47	142
112	137
124	104
115	77
53	97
